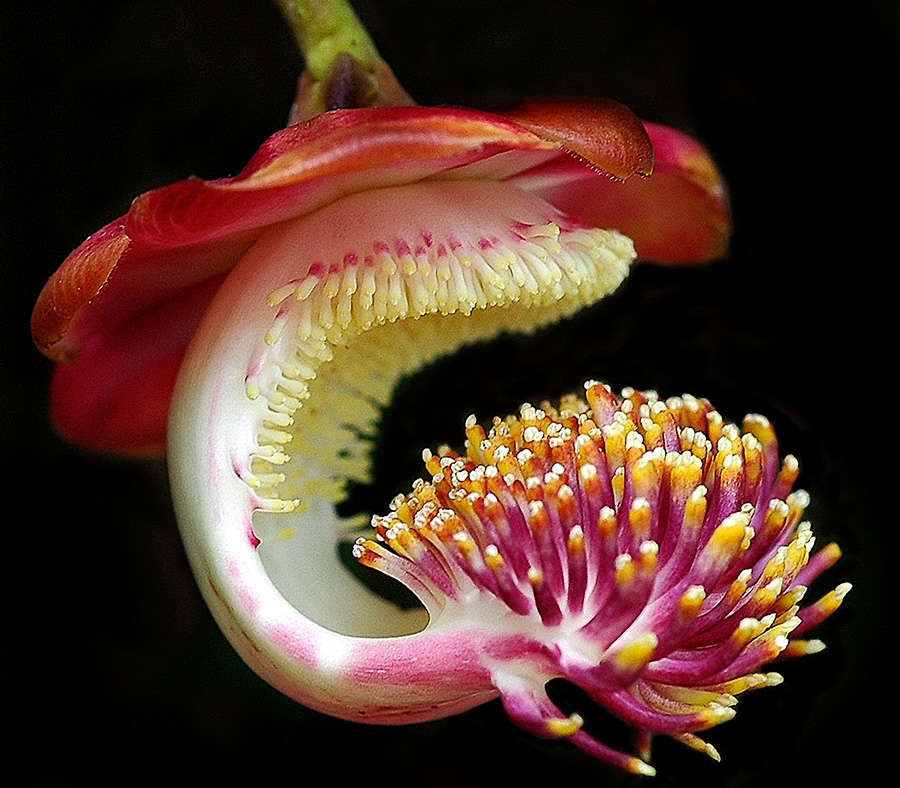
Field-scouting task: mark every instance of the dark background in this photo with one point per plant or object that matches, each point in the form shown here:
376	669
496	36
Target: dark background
119	671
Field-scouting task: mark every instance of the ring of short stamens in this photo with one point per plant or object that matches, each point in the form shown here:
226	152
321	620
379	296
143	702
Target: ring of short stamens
654	551
353	325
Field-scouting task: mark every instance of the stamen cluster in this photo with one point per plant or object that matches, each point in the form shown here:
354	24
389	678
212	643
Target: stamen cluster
653	551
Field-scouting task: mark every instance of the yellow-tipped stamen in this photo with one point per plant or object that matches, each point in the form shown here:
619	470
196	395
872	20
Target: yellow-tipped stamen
564	727
636	654
802	648
696	743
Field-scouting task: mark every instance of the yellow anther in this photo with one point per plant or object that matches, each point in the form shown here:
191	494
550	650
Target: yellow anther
730	536
696	743
766	596
637	653
575	542
639	517
714	714
493	559
251	389
606	524
695	509
535	576
803	648
564	727
614	444
637	766
625	570
686	474
692	601
648	556
832	600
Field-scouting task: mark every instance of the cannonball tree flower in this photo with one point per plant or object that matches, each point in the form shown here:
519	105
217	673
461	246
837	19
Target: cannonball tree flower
367	239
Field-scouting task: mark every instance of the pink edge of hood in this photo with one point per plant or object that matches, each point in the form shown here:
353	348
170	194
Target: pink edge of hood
301	168
678	216
295	171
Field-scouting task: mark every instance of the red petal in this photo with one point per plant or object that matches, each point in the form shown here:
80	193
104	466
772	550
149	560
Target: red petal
679	215
311	164
116	396
83	274
602	132
127	332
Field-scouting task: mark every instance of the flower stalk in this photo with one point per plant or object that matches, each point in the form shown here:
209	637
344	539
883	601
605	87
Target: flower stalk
324	29
343	69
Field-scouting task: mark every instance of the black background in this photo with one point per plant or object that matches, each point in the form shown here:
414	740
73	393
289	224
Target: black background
117	669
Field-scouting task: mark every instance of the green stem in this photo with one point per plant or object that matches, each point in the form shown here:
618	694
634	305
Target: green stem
326	28
343	67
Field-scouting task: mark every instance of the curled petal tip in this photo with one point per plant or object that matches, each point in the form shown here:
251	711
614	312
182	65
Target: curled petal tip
81	277
679	215
603	133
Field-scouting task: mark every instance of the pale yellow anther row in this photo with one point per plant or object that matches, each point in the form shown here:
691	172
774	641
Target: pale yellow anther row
327	310
691	696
